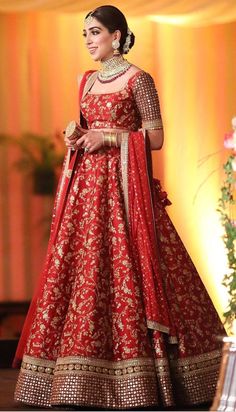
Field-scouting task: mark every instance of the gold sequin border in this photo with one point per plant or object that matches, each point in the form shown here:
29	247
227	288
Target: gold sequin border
193	380
81	365
151	324
189	366
86	381
199	358
37	365
124	170
103	392
152	124
196	364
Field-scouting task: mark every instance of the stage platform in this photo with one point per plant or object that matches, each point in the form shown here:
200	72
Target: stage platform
7	385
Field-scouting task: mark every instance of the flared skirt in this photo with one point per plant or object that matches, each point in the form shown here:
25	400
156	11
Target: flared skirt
89	342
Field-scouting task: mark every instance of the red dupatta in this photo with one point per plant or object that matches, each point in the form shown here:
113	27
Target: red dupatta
71	161
143	231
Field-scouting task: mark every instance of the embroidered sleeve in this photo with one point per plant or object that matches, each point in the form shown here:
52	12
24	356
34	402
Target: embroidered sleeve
147	101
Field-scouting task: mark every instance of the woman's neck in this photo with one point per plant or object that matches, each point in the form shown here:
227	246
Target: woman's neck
112	68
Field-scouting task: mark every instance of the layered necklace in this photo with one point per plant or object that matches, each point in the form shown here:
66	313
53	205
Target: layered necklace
113	68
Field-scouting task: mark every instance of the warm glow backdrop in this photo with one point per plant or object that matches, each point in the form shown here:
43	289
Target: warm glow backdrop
194	66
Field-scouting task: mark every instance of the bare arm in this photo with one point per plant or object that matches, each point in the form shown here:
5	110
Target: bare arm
156	138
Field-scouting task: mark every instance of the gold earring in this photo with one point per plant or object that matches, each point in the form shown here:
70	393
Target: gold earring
115	45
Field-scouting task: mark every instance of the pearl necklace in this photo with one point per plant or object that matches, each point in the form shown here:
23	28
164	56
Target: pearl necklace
113	68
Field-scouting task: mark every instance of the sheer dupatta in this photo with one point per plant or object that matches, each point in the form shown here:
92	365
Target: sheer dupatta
139	195
72	159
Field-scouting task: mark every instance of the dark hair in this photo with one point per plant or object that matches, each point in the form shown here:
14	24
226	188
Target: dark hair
113	19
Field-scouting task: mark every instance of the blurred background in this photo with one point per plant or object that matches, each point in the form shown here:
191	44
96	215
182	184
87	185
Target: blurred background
188	48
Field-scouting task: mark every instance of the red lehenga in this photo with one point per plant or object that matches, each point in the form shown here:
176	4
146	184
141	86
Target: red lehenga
121	318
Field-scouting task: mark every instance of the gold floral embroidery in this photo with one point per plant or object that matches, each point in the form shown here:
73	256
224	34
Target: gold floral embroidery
91	306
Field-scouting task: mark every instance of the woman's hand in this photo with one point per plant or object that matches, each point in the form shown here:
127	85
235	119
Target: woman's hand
70	140
91	141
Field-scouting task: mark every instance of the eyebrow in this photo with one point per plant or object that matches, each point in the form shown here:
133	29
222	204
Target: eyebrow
91	28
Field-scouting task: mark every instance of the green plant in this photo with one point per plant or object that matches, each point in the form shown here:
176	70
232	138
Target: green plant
227	209
40	156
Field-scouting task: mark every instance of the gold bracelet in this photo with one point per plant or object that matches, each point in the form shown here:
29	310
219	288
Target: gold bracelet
113	139
110	139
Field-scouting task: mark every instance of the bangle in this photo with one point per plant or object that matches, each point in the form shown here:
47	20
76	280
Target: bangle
110	139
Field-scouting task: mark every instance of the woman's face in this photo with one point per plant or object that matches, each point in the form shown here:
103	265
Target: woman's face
98	39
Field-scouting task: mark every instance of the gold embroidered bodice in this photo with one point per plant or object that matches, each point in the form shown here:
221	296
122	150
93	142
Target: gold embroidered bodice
135	106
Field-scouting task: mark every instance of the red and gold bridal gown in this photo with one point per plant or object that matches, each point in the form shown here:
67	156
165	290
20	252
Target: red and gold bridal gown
121	318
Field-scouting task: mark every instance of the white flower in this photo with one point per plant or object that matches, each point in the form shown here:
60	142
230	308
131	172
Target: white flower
233	163
234	122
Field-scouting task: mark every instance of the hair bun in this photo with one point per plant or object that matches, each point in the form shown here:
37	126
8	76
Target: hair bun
129	41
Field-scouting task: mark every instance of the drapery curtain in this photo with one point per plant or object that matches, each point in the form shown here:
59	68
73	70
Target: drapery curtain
199	12
194	68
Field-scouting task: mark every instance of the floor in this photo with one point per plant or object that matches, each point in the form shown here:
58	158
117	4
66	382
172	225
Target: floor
7	384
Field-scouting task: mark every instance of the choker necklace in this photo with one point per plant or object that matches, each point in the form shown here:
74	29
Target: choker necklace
113	68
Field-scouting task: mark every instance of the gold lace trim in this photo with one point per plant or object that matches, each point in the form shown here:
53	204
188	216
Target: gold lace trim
195	364
152	124
114	370
124	169
42	366
189	366
81	365
162	367
157	326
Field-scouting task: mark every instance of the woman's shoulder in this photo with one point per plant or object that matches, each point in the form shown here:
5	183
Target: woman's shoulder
139	76
86	81
85	76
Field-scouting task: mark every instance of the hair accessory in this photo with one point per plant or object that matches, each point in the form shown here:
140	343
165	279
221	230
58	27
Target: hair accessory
89	18
127	41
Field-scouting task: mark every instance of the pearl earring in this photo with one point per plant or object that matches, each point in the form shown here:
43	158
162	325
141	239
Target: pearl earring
115	45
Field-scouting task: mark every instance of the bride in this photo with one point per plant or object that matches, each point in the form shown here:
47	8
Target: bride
120	318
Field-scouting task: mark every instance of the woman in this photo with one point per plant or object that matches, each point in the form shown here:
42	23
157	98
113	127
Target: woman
121	318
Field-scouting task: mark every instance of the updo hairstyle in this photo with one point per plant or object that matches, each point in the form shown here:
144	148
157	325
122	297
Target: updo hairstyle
113	19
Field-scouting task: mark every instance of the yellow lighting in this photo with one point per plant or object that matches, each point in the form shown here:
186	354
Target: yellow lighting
170	19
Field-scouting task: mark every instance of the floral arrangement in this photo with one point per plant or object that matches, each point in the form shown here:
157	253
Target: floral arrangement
227	210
